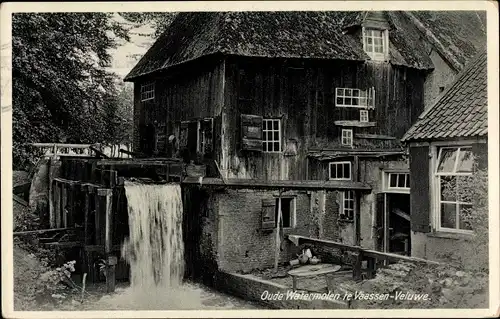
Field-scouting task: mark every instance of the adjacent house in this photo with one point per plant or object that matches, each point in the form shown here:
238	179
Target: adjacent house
443	144
298	110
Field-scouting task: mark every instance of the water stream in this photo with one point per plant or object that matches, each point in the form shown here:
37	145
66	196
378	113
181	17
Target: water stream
155	252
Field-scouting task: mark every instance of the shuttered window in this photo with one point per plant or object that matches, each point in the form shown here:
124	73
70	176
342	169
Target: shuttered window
268	215
251	132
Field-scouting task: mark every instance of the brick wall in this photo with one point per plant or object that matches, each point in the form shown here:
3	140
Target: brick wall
242	245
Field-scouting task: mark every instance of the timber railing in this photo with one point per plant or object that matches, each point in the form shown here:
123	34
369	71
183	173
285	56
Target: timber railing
76	150
360	253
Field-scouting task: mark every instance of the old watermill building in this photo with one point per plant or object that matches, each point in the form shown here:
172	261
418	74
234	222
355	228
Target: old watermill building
309	104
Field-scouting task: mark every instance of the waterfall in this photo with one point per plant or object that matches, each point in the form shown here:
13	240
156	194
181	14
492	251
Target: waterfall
155	253
154	248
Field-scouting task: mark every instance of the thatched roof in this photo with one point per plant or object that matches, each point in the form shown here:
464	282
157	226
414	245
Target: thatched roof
285	34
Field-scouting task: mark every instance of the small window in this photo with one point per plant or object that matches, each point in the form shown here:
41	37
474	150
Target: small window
147	91
375	44
399	181
346	97
347	210
363	116
346	137
287	211
271	135
340	171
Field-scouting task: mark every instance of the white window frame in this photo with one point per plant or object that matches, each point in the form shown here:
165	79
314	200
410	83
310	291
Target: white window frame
147	91
436	150
347	138
265	129
365	99
293	211
351	198
398	176
363	116
368	33
342	170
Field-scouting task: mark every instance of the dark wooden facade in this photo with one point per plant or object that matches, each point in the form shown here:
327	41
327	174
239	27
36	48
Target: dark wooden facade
301	92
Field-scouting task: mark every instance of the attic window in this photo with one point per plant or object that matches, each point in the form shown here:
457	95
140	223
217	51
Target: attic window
147	91
376	43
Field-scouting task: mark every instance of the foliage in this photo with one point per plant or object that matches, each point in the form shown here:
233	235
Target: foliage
61	89
159	20
56	279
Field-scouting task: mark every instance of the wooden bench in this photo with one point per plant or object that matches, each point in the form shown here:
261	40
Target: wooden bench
312	271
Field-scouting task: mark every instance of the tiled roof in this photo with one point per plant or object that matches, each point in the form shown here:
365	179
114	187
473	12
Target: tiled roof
462	110
275	34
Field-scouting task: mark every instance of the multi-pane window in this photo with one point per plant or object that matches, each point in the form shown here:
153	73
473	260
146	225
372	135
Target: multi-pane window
271	135
375	43
340	170
148	91
347	211
399	181
346	138
454	169
363	116
346	97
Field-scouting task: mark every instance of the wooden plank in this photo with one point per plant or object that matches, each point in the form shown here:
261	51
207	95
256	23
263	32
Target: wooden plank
354	123
64	209
374	136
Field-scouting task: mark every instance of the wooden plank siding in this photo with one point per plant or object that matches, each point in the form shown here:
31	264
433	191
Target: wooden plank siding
298	91
194	92
302	94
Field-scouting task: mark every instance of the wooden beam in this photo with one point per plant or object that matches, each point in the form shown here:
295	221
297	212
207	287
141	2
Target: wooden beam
42	231
19	200
279	184
375	136
21	188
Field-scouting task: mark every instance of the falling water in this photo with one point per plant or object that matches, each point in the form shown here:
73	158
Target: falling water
155	252
154	248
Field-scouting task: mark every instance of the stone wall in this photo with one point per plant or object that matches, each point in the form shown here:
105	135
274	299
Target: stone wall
255	289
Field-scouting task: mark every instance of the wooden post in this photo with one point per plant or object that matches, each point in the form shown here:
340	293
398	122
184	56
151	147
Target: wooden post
86	209
358	262
278	229
57	205
64	204
108	239
356	216
372	267
386	228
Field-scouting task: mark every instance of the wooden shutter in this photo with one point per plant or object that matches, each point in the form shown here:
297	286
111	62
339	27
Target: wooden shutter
207	127
268	216
251	132
183	135
420	198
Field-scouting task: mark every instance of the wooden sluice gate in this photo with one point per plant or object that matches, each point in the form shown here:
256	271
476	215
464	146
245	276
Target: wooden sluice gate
88	209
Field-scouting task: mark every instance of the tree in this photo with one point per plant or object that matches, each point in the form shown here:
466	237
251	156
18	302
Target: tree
159	20
61	90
